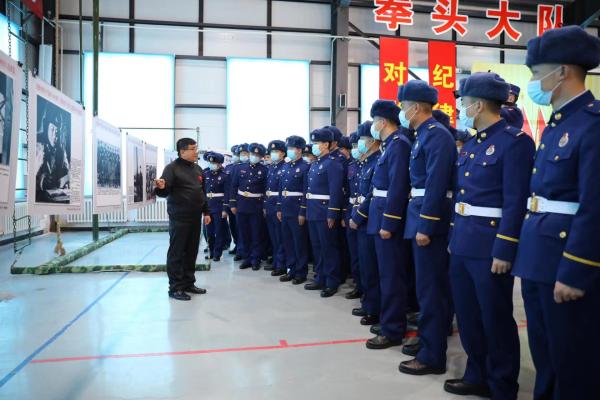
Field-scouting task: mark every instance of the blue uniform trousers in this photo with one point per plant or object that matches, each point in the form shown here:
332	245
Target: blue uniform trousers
295	243
217	234
232	226
326	251
352	242
274	230
564	342
250	235
488	332
392	261
369	273
433	293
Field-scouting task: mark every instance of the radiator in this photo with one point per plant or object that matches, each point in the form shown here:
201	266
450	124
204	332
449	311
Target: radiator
6	223
156	212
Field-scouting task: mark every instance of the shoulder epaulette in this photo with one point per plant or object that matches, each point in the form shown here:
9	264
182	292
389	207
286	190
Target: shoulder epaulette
430	127
593	107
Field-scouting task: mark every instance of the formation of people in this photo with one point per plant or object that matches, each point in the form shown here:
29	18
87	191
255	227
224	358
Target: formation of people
428	219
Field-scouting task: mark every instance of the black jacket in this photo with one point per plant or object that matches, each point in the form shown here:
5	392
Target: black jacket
184	190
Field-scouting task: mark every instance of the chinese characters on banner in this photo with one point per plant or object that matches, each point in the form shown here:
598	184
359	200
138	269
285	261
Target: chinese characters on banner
393	66
442	76
445	17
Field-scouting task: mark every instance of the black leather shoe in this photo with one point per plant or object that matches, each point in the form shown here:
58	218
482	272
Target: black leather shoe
298	281
313	286
238	258
285	278
245	265
278	272
375	329
359	312
270	260
180	295
382	342
412	318
411	349
369	320
355	294
217	259
328	292
269	268
414	367
206	250
462	388
256	267
195	290
232	252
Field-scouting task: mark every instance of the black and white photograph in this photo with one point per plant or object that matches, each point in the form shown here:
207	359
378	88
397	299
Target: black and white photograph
55	151
151	160
10	89
136	171
107	164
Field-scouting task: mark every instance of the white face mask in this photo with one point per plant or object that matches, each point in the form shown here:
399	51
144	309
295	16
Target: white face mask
244	158
537	94
254	159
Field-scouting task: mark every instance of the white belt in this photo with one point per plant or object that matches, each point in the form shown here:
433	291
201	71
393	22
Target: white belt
421	193
352	200
311	196
285	193
541	205
379	193
212	195
248	194
466	210
271	194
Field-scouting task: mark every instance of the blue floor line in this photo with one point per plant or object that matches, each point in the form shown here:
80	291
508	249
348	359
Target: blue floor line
58	334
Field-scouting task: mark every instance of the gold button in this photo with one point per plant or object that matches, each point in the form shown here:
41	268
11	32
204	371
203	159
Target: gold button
556	158
553	125
558	116
478	140
563	234
527	216
532	194
543	146
472	156
535	170
484	163
462	191
484	135
493	223
467	173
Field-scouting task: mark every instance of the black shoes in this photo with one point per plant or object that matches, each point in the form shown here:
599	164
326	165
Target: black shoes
359	312
238	258
285	278
298	281
232	252
195	290
256	267
411	349
269	268
278	272
245	265
179	295
376	329
382	342
217	259
313	286
414	367
462	388
328	292
355	294
369	320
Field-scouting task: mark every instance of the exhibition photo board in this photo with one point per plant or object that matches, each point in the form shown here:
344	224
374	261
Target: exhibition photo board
135	172
151	163
107	163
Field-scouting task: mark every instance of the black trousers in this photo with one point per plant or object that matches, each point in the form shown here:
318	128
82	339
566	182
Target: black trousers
184	239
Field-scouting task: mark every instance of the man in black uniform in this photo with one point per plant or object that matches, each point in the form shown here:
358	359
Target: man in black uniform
182	184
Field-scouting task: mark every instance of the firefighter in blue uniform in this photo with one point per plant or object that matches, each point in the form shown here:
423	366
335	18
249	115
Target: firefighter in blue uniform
205	171
307	154
367	257
292	211
346	144
248	188
277	150
235	159
324	202
427	223
492	177
231	199
511	111
215	182
387	212
559	258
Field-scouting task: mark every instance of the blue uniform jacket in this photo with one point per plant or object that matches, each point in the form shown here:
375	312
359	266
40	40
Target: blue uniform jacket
230	170
250	178
365	187
512	115
431	168
294	178
273	178
352	189
216	182
325	177
493	170
560	247
391	174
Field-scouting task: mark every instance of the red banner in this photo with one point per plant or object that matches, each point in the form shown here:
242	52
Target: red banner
393	66
442	75
36	7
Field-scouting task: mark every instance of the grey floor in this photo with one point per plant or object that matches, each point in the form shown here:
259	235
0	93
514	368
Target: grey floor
118	336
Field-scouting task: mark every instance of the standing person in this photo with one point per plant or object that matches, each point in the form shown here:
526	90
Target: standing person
559	258
427	223
387	212
229	168
492	173
277	150
215	184
249	187
324	199
182	184
241	248
307	154
367	257
292	211
510	110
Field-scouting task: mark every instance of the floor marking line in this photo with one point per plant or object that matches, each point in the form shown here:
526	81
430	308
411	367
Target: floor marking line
58	334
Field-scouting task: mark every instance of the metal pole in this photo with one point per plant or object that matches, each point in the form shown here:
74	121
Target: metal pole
81	54
96	23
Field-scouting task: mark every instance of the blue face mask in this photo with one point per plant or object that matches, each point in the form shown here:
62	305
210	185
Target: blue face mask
244	158
468	122
356	154
405	122
362	146
537	94
213	167
254	159
316	150
291	154
375	133
274	156
235	158
307	159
